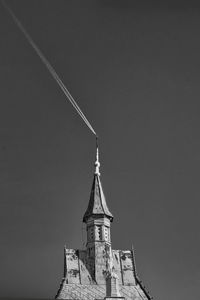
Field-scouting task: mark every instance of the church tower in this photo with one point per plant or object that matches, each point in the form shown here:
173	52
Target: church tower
98	271
97	218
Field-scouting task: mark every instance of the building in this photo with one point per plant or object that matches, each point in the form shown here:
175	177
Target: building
99	272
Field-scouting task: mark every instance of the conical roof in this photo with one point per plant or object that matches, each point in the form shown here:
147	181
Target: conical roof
97	205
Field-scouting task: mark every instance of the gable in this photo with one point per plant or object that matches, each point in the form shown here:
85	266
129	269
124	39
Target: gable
77	269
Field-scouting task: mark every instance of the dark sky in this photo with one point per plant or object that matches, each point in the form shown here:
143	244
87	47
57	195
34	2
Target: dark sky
134	69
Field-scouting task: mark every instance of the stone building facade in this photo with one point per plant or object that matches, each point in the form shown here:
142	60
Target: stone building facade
99	272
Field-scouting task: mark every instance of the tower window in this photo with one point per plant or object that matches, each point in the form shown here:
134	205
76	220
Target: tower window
91	233
106	233
99	233
90	251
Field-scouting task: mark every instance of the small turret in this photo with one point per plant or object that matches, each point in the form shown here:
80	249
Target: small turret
97	218
97	207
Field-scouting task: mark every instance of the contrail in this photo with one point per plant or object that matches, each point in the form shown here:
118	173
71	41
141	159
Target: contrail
49	66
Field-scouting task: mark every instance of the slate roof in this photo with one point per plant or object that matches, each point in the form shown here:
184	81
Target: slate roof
97	205
92	292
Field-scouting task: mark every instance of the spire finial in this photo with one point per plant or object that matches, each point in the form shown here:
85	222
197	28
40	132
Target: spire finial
97	163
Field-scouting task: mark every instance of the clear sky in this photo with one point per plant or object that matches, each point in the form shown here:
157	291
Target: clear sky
134	69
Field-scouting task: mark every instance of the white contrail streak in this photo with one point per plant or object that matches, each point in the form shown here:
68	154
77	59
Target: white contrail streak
49	66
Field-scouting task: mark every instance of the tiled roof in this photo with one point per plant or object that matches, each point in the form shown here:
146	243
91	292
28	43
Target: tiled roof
94	291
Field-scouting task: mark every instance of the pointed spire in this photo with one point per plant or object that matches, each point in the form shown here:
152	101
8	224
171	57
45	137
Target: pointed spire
97	205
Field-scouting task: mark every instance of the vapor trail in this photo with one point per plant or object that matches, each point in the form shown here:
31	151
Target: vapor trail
49	66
